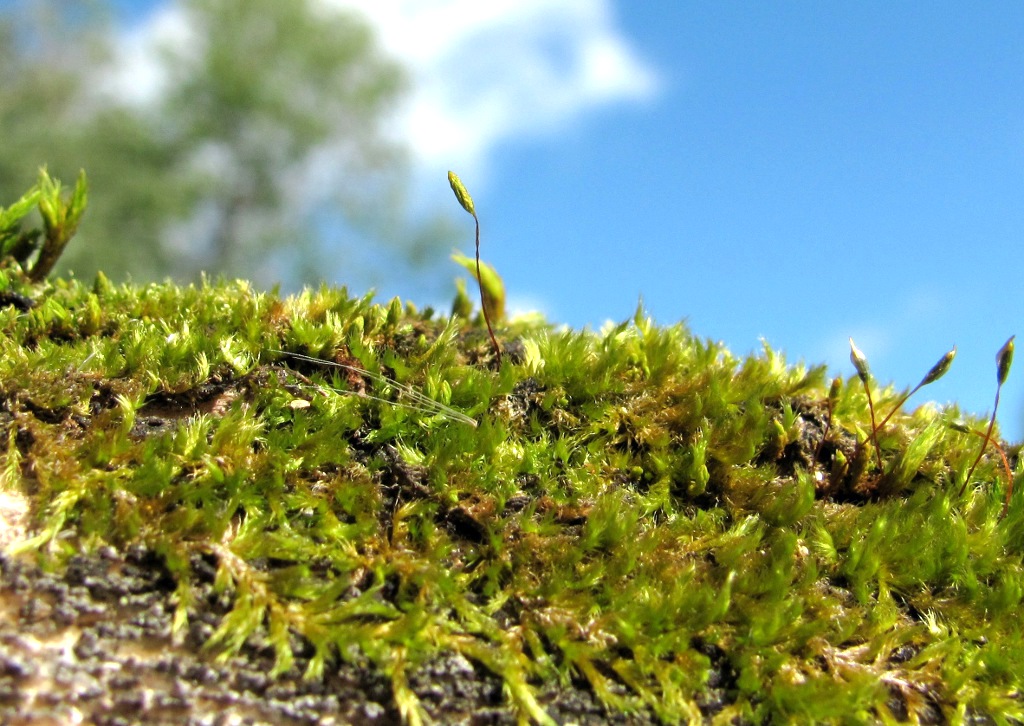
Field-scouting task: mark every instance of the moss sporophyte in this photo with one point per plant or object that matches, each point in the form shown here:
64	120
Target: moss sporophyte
631	524
486	300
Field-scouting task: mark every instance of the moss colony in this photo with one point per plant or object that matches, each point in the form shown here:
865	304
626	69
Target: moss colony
637	515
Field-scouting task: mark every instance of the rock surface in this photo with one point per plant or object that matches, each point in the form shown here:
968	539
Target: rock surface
94	644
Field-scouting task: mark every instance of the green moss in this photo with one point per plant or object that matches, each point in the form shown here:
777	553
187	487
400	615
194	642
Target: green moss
688	532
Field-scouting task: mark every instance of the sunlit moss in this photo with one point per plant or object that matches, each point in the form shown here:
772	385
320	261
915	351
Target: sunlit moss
688	532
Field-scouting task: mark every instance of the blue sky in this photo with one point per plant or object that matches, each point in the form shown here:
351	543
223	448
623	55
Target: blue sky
802	173
806	173
797	172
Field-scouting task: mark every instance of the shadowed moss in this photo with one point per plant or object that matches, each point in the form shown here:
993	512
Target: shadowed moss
636	508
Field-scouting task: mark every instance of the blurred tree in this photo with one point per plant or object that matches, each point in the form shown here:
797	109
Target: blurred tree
268	135
46	118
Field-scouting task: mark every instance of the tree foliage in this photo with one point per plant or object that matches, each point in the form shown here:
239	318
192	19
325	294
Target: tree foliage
268	136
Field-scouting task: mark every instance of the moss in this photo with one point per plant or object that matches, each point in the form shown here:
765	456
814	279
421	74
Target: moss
635	508
337	485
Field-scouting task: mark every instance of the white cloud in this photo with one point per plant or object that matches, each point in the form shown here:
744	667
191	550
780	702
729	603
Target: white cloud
486	73
483	73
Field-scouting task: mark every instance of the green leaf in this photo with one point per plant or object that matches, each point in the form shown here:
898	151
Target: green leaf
79	199
490	282
462	305
60	220
11	235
